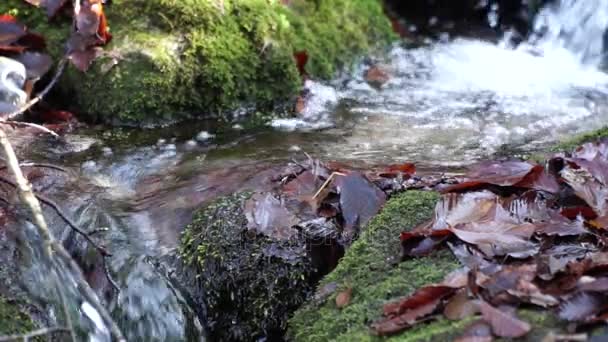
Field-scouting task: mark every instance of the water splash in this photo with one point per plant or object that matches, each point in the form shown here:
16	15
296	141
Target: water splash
573	25
480	96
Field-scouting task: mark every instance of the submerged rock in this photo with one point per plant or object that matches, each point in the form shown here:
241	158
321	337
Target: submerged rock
172	59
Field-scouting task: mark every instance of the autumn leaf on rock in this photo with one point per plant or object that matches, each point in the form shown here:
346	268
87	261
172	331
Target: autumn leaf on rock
507	174
91	31
407	312
503	324
343	298
360	200
460	307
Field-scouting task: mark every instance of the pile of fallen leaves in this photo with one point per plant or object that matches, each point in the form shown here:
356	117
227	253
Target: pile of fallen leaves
330	200
527	235
89	33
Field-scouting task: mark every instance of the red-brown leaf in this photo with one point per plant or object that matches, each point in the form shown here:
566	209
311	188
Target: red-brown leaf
419	298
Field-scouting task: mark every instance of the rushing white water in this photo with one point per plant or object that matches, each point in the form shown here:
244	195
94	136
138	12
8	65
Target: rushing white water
454	102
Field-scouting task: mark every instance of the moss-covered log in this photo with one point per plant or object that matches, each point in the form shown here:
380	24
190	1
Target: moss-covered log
175	58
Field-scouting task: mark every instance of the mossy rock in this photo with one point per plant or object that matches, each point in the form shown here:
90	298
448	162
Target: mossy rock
248	283
13	320
369	269
170	59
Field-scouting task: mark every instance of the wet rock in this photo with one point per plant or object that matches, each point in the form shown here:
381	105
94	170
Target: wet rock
248	282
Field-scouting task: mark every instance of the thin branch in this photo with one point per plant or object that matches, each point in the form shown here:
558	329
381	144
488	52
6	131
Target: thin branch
35	333
38	165
326	183
52	246
100	249
64	217
32	102
29	124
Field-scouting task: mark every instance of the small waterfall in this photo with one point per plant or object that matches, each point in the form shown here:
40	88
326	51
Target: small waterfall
578	26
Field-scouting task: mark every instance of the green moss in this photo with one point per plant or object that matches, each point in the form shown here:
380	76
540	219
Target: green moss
368	269
248	283
574	142
13	320
170	59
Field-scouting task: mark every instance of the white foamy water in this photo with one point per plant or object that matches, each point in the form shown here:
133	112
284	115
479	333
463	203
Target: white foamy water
451	103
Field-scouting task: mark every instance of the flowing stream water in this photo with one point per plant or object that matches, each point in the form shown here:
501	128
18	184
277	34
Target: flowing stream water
446	104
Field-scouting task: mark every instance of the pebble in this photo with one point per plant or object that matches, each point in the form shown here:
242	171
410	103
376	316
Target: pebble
295	148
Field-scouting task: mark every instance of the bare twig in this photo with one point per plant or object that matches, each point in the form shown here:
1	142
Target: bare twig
29	124
32	102
102	251
39	165
52	246
327	181
63	216
35	333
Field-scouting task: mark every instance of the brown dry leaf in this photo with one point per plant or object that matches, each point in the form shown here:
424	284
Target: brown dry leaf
460	307
343	298
360	200
405	313
515	174
503	324
422	243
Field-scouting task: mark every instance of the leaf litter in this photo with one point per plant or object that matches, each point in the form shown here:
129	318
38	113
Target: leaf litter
526	235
